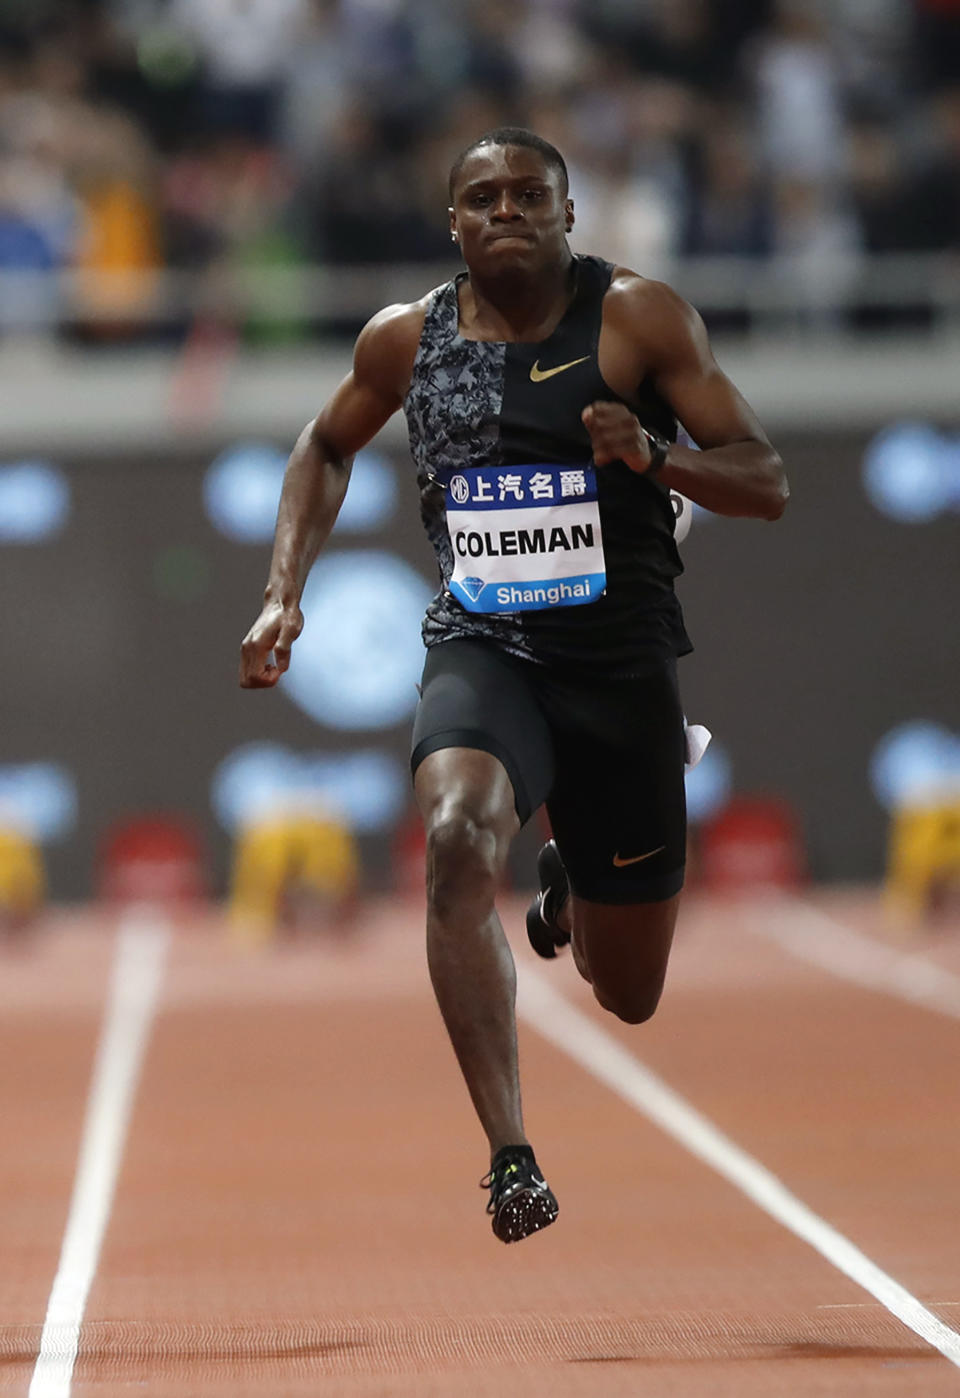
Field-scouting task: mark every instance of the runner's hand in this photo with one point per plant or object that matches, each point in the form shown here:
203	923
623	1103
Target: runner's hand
616	435
275	629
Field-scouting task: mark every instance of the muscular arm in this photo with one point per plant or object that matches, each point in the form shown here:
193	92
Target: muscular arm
315	483
737	471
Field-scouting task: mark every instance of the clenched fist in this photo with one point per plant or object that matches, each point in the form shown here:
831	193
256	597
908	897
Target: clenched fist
616	435
275	629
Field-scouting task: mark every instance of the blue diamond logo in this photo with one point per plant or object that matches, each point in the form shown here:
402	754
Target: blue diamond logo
472	587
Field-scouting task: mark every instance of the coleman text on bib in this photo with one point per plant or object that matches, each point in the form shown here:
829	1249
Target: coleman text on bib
525	538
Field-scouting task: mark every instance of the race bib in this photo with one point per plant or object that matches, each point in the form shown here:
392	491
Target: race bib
525	538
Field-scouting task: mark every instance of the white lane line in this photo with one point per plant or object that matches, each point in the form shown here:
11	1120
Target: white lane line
866	1305
576	1034
142	943
811	935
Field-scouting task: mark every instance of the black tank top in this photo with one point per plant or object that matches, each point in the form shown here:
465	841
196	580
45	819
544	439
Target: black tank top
496	404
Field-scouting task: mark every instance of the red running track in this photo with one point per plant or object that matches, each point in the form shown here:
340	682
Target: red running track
297	1207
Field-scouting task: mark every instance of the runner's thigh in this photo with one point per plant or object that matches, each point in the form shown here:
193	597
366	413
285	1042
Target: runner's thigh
618	807
476	696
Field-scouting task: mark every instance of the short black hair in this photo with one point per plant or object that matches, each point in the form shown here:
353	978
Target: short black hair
514	136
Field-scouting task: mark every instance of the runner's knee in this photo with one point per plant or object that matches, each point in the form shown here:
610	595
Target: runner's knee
632	1004
464	861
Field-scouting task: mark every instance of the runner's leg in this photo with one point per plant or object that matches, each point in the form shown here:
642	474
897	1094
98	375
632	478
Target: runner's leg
467	802
618	814
623	952
482	762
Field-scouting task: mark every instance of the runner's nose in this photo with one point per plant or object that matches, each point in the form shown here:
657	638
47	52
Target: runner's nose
506	207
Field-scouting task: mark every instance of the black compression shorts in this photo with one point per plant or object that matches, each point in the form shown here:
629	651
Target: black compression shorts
605	755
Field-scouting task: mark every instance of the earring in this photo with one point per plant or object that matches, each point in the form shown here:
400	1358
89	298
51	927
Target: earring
453	237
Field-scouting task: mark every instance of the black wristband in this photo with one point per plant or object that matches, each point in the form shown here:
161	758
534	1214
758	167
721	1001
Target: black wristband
659	446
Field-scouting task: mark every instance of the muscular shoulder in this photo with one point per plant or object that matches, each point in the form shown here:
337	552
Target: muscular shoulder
387	345
653	317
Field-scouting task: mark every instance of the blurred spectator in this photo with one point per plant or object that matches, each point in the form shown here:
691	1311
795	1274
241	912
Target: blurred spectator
492	65
553	49
324	72
245	46
224	204
938	41
629	186
800	126
140	62
798	98
39	210
677	42
729	211
625	212
221	197
357	207
118	246
936	187
816	234
870	39
886	214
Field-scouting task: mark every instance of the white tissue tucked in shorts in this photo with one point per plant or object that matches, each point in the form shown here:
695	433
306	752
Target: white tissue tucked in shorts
698	740
683	516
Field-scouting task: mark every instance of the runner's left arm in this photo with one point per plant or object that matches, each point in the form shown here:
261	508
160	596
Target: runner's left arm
737	471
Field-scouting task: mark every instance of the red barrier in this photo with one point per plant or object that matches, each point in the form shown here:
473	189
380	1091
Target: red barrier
755	841
156	859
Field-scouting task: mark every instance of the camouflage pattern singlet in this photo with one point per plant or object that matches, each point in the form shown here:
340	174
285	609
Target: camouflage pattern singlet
494	405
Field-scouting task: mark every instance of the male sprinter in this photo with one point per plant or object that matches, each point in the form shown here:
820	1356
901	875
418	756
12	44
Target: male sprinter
542	392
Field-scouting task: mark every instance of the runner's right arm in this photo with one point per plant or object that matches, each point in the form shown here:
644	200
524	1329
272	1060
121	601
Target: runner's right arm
315	483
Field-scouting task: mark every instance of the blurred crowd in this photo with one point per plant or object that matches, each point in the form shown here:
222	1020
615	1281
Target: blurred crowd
140	135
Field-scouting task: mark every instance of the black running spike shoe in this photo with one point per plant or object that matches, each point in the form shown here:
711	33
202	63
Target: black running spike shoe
521	1201
545	934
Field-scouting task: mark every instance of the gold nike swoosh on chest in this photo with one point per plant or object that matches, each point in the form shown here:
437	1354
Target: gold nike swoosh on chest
622	863
537	375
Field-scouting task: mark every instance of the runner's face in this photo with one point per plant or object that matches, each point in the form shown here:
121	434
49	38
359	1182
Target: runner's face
509	212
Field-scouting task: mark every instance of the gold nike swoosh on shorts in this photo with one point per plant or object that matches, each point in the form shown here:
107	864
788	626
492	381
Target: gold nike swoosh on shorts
622	863
537	375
